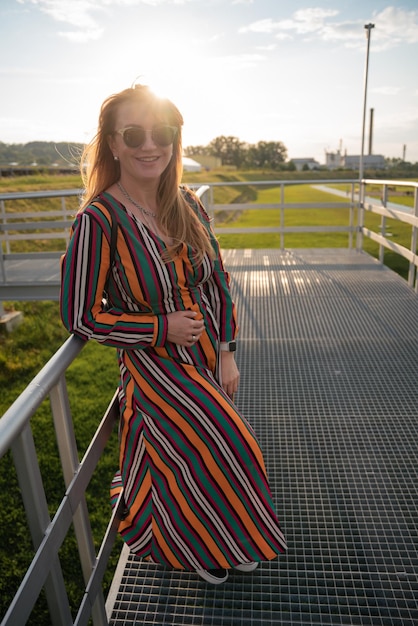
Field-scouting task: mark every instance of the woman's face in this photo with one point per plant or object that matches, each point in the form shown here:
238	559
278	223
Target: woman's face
148	160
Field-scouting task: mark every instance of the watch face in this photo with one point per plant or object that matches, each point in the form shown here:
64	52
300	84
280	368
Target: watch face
232	346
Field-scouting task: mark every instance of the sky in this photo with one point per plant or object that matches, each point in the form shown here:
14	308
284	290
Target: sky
259	70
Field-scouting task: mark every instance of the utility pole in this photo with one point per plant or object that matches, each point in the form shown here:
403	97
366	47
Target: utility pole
368	28
371	131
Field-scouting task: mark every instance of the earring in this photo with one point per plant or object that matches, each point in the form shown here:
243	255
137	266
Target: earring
116	158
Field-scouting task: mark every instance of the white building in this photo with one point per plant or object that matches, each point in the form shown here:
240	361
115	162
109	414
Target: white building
190	165
309	163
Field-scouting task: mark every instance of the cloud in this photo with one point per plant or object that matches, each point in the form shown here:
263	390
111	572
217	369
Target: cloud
303	21
74	12
81	36
392	26
238	61
83	14
386	90
261	26
397	24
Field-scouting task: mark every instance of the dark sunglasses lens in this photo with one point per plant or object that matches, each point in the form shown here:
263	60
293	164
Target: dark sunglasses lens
134	137
164	135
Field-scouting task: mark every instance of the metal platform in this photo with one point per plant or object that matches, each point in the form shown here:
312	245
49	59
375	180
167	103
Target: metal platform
328	355
35	278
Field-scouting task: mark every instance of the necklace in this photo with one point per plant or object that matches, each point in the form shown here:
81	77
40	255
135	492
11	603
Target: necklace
138	206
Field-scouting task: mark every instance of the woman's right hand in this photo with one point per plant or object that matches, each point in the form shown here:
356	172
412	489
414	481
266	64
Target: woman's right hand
183	327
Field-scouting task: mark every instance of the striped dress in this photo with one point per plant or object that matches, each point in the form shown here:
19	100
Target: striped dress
191	469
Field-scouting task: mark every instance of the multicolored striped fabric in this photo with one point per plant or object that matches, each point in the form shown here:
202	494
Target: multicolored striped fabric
191	469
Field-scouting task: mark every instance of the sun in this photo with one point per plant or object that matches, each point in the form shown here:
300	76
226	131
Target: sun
174	69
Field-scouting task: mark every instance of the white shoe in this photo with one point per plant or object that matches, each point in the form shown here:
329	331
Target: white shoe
247	567
213	576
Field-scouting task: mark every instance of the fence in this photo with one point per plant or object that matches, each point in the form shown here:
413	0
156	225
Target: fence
48	535
387	210
54	225
15	429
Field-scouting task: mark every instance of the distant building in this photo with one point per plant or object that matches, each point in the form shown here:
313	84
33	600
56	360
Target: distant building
336	160
370	161
190	165
208	162
333	160
303	164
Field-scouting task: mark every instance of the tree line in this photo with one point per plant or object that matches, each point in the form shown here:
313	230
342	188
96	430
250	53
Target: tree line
230	150
48	153
240	154
268	155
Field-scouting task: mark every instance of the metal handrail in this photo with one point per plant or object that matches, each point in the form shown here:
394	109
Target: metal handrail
16	418
355	229
15	434
48	535
396	213
354	201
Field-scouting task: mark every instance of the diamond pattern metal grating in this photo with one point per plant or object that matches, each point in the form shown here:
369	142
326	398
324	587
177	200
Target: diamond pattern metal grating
328	355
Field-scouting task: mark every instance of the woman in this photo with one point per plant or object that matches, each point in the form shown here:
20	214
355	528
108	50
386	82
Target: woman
191	470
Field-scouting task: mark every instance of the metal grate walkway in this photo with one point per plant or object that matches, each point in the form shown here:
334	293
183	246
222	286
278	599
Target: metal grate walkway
328	355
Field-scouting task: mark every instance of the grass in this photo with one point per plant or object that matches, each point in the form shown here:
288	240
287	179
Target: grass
92	378
400	233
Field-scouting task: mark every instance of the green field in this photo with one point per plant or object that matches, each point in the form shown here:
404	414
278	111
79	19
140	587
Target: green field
93	377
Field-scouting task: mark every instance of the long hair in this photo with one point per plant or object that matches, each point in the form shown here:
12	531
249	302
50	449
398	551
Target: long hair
99	171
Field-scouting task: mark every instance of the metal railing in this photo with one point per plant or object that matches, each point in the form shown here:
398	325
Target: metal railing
15	226
33	226
48	535
395	212
16	434
281	206
356	200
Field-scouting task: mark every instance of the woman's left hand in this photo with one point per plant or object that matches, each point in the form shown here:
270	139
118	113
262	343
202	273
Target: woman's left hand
229	373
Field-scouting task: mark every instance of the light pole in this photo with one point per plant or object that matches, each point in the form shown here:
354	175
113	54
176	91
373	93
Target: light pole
368	28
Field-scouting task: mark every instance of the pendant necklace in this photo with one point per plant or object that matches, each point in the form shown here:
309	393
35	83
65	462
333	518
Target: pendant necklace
138	206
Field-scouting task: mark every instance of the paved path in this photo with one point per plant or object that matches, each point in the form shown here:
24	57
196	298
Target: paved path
368	199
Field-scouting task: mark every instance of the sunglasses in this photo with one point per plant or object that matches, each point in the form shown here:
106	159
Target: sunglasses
134	136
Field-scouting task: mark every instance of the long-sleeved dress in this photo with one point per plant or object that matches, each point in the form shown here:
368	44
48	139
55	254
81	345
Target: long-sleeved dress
191	469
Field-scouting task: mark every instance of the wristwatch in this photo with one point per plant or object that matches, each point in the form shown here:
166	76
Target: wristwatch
228	346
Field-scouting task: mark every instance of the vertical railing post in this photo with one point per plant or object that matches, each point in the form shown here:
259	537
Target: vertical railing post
360	215
351	217
282	216
413	272
67	447
4	220
383	224
65	216
36	507
2	264
205	194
